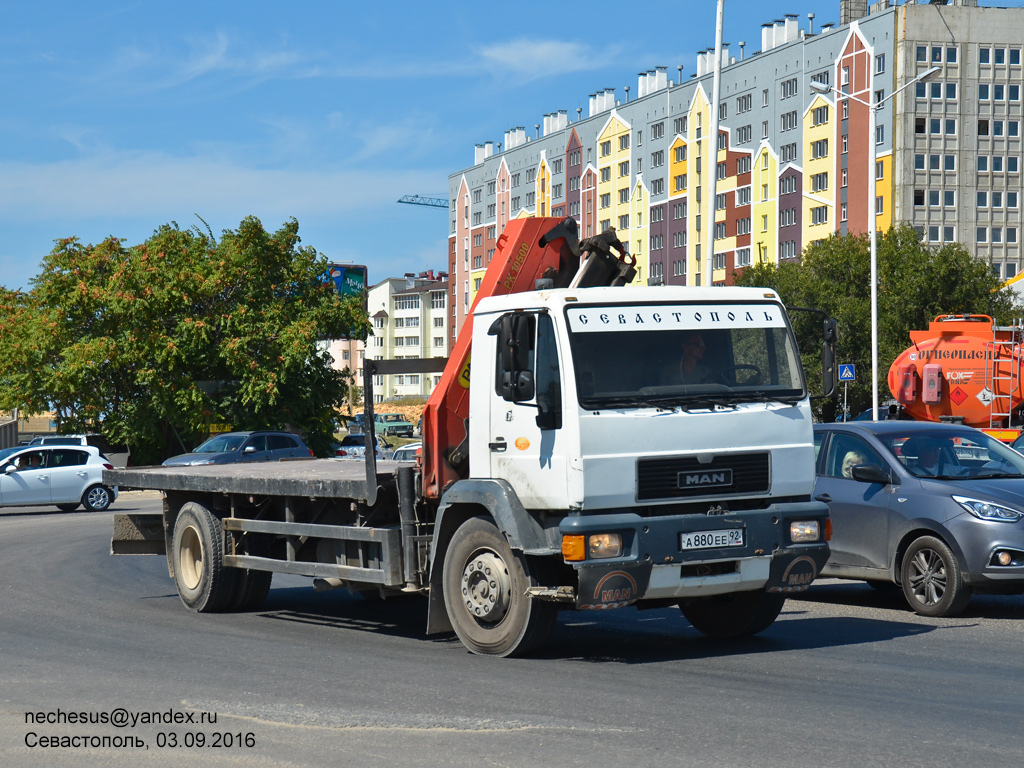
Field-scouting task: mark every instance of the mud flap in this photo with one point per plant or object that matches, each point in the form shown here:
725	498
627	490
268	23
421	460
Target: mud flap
612	586
793	570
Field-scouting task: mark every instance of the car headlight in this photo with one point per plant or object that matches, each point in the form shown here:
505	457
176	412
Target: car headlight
989	510
200	462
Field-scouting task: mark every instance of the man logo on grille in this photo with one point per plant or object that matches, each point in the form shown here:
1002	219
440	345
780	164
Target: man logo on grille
716	479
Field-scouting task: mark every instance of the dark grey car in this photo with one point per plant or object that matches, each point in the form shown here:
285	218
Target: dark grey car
935	508
232	447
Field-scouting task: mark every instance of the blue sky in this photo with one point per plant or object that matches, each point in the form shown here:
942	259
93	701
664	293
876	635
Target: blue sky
116	118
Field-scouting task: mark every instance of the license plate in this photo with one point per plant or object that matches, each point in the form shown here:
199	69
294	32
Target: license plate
732	537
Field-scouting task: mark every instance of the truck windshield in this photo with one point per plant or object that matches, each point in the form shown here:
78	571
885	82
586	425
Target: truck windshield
684	354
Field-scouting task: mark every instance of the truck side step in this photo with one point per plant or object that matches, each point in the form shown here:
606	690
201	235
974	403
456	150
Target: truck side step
367	555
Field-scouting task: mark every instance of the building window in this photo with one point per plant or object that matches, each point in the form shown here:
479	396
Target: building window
657	159
624	221
819	182
879	63
819	214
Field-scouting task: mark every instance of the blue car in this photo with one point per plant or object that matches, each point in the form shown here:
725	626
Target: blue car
232	447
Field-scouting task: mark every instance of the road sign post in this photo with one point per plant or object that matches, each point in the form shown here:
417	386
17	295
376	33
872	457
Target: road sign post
847	373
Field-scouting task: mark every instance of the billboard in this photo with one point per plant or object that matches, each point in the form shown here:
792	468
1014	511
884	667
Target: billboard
349	279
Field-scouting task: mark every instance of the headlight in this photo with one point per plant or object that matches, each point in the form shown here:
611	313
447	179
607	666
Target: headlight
803	531
201	462
601	545
988	510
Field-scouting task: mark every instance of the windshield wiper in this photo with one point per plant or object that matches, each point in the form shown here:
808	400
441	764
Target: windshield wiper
996	473
764	397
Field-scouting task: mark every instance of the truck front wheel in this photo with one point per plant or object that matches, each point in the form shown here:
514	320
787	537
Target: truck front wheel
204	584
734	615
485	587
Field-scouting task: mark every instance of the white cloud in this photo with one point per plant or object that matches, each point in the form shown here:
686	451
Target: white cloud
527	60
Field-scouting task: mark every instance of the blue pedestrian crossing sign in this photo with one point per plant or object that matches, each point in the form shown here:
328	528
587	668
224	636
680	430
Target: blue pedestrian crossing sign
846	372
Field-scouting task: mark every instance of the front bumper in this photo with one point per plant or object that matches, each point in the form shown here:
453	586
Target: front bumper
653	565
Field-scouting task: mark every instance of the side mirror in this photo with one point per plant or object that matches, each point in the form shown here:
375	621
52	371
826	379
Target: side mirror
249	449
10	468
871	473
515	336
517	386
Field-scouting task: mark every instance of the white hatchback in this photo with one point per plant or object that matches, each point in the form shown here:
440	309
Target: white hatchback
64	476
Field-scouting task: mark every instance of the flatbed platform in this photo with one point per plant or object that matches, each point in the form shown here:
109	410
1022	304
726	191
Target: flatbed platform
311	478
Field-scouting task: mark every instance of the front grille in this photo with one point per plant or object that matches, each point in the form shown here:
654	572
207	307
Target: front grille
726	475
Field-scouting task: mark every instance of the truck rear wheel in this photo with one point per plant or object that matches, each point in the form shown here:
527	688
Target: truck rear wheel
204	584
739	614
485	587
251	586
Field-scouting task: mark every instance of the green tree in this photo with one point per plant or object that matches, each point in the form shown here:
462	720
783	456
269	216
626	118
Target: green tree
916	283
155	343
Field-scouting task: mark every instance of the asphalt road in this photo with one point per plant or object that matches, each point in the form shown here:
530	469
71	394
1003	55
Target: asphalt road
846	677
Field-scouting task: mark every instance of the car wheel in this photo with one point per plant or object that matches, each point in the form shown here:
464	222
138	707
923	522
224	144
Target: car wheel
96	498
932	580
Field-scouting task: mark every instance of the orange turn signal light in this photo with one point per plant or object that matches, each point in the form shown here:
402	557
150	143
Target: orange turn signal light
574	547
828	529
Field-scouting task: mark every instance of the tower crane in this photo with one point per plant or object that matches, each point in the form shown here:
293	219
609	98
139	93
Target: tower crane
433	202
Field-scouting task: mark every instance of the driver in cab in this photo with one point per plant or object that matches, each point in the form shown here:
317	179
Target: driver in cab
691	368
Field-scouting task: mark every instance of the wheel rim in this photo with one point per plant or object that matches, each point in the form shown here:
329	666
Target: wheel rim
98	498
487	587
927	573
190	557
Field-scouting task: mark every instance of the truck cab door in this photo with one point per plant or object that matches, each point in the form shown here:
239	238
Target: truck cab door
527	446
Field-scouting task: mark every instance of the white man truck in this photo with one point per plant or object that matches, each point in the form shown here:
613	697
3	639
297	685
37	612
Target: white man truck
573	470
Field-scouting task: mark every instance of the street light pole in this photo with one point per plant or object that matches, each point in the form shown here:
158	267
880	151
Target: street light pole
872	214
711	155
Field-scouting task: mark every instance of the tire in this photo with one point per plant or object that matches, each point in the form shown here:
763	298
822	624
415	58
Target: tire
251	586
251	590
197	545
97	498
932	579
739	614
68	507
485	594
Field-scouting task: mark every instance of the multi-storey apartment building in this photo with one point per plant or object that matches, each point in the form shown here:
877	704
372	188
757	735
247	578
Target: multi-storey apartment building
792	163
410	320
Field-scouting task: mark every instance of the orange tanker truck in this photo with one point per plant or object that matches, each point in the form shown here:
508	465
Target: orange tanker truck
963	368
